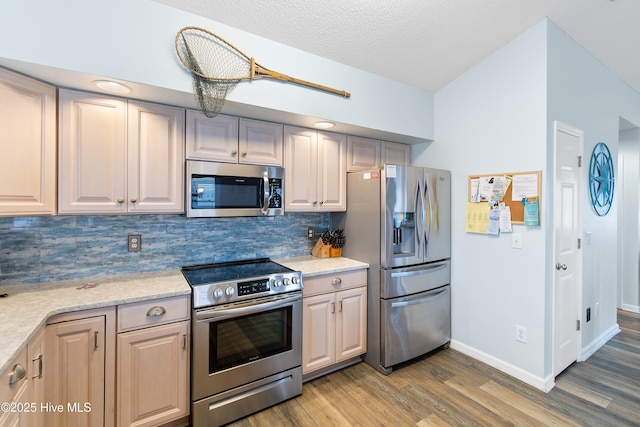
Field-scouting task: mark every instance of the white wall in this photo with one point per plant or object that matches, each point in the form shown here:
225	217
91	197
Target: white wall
134	41
498	117
585	94
628	187
493	120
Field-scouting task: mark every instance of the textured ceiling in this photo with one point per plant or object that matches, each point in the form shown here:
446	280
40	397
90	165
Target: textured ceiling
428	43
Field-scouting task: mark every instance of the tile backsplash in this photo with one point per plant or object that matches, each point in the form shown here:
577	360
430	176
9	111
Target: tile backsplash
47	249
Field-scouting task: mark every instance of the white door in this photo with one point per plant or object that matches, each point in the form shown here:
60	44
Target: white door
567	283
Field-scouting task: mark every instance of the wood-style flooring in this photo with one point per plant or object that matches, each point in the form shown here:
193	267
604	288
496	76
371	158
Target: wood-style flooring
448	388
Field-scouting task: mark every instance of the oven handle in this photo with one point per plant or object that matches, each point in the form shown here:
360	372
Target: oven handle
257	307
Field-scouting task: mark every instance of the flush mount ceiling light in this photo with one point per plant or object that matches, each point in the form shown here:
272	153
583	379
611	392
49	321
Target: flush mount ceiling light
111	86
324	125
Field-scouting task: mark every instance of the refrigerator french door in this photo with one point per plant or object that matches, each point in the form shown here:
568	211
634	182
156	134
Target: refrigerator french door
398	220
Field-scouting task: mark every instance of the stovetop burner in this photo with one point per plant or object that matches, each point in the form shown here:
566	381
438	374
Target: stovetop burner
227	282
198	275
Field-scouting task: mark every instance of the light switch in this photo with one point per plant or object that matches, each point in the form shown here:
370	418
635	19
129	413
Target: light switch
516	241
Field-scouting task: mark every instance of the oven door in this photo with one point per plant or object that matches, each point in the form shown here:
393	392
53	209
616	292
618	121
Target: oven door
239	343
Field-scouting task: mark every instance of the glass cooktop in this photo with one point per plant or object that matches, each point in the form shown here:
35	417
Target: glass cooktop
205	274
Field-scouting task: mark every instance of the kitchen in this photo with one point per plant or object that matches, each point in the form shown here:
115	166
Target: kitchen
480	332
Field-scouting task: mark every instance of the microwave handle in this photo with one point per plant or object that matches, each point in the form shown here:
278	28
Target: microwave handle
265	187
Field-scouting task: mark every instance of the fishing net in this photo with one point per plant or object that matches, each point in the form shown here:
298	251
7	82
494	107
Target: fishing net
217	67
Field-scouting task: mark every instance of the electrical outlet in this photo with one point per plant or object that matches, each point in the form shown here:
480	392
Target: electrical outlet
134	243
521	334
516	241
310	233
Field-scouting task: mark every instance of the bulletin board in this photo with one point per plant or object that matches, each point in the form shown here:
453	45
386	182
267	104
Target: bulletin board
528	184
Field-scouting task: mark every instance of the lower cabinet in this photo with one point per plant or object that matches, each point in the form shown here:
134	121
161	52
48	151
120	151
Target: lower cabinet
334	321
153	362
79	369
152	381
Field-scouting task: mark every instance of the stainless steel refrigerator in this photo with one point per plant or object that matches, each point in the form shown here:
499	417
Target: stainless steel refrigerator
398	219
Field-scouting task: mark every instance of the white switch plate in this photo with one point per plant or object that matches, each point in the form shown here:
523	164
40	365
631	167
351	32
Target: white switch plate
516	241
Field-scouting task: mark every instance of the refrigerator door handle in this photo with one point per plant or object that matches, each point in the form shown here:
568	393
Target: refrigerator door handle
428	212
425	270
420	208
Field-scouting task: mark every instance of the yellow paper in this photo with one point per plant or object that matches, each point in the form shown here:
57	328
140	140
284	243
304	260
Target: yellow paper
477	218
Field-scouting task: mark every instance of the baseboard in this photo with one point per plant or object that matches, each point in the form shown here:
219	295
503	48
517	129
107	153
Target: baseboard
595	345
631	308
544	384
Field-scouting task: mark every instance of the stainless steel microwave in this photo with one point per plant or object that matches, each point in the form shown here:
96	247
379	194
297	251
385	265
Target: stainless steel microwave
224	189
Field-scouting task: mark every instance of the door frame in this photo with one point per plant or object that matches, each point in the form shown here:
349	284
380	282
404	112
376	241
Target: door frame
563	127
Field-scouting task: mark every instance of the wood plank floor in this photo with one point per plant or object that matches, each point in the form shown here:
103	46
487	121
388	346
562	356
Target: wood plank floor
450	389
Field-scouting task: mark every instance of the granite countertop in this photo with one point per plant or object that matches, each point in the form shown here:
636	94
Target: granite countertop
312	266
27	307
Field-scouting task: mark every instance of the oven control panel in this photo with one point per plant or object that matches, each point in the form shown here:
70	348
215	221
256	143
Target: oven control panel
253	287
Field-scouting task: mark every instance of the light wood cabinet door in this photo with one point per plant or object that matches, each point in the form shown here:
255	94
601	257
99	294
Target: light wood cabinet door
75	371
301	170
394	153
260	143
315	170
214	139
363	153
155	158
351	324
332	172
35	358
92	153
27	146
318	333
153	376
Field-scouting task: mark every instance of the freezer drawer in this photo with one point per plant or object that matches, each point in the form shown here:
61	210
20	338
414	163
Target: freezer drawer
412	280
415	325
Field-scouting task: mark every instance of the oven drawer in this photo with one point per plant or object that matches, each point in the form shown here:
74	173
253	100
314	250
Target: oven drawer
151	313
334	282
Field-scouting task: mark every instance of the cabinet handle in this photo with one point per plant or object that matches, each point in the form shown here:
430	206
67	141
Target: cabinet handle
336	281
39	359
95	341
17	374
156	311
121	201
340	306
333	307
184	341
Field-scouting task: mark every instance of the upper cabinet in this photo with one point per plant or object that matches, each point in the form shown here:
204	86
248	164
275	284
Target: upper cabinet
230	139
117	156
27	146
315	170
366	153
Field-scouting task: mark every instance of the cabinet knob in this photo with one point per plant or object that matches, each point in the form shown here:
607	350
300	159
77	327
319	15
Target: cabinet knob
234	152
322	202
156	311
121	201
336	281
17	374
134	200
315	202
244	154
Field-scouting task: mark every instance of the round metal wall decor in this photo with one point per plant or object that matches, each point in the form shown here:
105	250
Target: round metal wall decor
601	179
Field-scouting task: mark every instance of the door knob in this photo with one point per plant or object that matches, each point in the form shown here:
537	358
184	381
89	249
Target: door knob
561	266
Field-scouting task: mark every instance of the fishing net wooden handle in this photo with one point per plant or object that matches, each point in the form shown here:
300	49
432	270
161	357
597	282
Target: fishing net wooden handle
258	71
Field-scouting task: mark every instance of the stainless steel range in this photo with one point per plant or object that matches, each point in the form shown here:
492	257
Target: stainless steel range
247	338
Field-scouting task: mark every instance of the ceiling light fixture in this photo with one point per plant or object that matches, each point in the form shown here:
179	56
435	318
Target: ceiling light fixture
324	125
111	86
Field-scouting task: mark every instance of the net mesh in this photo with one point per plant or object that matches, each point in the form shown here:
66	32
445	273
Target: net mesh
217	67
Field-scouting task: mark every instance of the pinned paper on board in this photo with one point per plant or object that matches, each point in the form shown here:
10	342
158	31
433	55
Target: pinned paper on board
504	192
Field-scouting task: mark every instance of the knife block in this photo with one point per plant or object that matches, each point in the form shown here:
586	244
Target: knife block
321	250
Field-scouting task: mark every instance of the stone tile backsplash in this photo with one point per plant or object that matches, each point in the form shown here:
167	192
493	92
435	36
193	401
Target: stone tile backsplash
47	249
